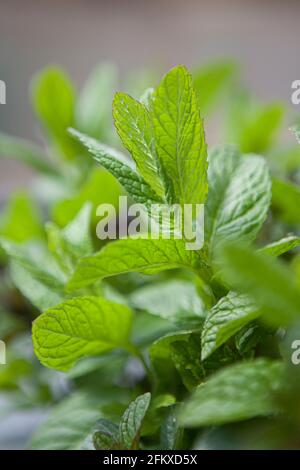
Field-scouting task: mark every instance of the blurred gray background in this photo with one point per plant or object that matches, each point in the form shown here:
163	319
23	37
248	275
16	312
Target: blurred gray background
262	35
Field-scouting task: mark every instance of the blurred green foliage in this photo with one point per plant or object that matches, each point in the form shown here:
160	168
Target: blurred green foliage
208	333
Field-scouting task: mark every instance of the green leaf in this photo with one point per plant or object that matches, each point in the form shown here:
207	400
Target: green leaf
280	246
104	441
93	109
266	280
186	357
136	255
158	410
73	241
42	291
114	162
21	220
146	97
179	137
179	351
249	337
76	234
212	82
238	198
68	424
80	327
35	273
53	99
225	319
27	153
101	187
170	433
254	127
132	420
134	127
174	300
242	391
286	200
106	435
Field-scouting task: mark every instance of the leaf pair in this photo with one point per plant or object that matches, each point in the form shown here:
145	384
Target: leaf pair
127	434
167	140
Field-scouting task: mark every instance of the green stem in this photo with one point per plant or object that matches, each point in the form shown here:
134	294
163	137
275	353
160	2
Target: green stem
137	353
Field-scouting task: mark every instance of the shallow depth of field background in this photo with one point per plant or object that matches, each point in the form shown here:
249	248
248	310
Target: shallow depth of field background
262	35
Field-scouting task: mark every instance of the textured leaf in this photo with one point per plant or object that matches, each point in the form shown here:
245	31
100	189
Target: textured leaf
132	421
281	246
106	435
79	327
136	255
266	280
134	127
68	424
179	137
239	392
117	165
104	441
174	300
227	317
238	199
27	153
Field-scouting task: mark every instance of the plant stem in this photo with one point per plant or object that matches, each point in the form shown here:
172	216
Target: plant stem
137	353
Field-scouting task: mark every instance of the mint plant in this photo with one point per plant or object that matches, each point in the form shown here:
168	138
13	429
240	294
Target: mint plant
163	347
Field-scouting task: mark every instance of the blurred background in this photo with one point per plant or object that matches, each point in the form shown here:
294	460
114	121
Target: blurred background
143	39
261	35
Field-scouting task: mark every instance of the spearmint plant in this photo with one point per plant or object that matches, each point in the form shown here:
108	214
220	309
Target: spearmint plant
160	347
